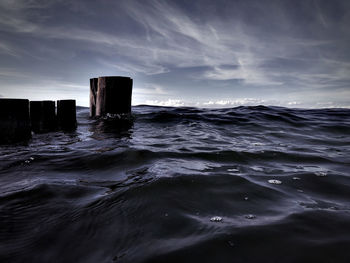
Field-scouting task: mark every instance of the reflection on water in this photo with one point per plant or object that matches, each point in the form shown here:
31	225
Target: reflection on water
249	184
113	127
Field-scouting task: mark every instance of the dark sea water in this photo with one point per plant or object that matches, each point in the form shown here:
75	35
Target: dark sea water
181	185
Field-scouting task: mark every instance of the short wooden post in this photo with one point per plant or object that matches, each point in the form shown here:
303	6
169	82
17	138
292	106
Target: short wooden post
14	120
113	95
66	114
43	116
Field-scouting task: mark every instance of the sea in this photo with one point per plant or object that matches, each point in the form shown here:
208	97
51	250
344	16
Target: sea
181	184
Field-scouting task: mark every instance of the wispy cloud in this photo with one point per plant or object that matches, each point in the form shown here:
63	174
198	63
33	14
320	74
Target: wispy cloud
7	49
151	89
12	73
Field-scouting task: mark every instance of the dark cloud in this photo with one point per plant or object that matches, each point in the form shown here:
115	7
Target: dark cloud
193	51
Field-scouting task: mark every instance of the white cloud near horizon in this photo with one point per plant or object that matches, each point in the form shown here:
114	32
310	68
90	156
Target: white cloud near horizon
242	102
166	103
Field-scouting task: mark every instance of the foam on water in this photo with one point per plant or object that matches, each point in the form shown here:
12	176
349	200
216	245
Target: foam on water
274	181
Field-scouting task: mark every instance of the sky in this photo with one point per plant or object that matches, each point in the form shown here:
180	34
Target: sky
203	53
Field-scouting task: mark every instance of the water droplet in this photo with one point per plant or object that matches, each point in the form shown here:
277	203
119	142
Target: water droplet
250	216
321	173
246	198
231	244
216	219
296	178
273	181
29	160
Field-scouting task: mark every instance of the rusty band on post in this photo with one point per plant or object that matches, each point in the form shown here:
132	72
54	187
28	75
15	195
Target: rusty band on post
14	120
93	95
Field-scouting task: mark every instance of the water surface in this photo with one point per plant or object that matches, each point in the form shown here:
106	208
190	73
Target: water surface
248	184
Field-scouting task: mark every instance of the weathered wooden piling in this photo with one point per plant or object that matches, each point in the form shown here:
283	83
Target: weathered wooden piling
93	94
113	95
43	116
66	114
14	120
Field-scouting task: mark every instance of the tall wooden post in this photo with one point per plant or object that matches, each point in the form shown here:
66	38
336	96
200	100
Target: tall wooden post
66	114
14	120
113	95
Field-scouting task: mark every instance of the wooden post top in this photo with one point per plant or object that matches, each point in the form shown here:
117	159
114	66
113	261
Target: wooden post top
121	77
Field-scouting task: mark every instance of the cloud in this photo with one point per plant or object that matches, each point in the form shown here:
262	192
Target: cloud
172	38
166	103
267	50
11	73
150	89
135	67
244	102
9	50
234	103
331	104
248	74
224	103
